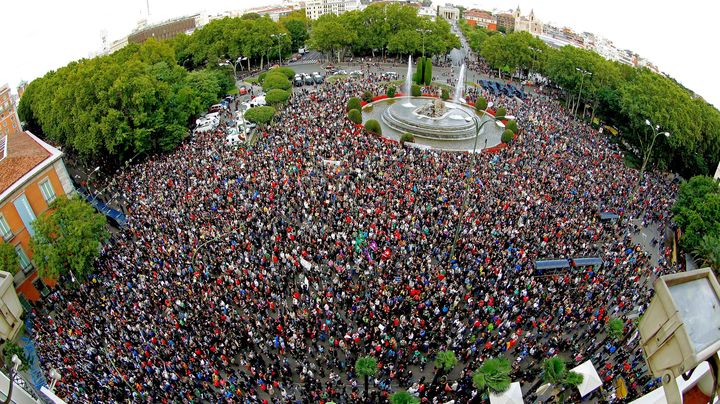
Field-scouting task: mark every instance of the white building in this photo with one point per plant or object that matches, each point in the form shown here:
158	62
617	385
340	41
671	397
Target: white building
449	12
316	8
527	23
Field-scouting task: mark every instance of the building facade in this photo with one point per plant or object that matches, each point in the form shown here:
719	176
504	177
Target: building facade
32	175
480	18
316	8
505	22
528	23
448	12
9	121
165	30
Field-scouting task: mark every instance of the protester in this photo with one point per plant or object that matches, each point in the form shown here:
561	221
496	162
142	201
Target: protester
260	274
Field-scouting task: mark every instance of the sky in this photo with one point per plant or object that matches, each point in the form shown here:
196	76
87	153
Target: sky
42	35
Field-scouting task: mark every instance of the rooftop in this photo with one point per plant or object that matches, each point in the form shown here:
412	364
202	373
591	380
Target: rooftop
24	152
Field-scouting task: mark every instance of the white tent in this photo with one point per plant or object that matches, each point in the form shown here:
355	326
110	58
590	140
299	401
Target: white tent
512	396
591	379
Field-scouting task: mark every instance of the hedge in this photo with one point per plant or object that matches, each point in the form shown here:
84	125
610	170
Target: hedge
288	72
260	115
444	94
354	103
481	104
391	92
355	116
500	112
276	81
512	125
407	138
415	90
277	96
507	136
373	126
367	96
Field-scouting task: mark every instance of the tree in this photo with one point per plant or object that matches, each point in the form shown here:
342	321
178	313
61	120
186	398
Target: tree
355	116
615	328
481	105
554	372
500	112
354	103
427	72
277	96
697	210
403	397
67	238
444	94
512	126
373	127
276	81
493	376
445	361
507	136
11	348
297	25
707	252
260	115
9	261
366	366
329	34
390	91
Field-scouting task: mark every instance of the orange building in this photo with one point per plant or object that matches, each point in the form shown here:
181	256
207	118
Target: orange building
32	175
480	18
9	121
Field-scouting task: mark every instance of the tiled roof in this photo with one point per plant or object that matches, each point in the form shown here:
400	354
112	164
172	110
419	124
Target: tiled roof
23	154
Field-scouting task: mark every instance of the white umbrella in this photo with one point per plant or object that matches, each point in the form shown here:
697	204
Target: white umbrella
512	396
591	379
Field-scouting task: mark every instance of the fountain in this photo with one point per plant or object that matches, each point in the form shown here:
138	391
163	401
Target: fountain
460	86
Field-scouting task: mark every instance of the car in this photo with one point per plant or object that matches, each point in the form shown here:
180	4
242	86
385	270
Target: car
242	90
328	67
309	80
298	80
392	75
341	71
318	79
356	73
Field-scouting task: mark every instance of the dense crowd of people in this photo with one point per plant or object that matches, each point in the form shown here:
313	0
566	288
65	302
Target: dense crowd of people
261	273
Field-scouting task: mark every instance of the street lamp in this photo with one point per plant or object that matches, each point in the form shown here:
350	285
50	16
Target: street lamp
647	152
681	329
87	180
11	376
478	128
278	36
55	376
423	31
584	73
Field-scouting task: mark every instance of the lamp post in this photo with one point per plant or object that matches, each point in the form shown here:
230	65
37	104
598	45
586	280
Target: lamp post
55	376
423	31
583	73
278	36
478	128
11	376
646	150
87	180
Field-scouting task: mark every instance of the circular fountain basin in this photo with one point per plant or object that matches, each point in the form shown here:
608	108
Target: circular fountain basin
457	122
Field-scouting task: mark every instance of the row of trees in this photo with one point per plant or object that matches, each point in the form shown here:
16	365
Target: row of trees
621	95
493	376
382	29
113	107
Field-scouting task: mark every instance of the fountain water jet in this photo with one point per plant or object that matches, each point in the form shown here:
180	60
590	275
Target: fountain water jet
460	86
408	78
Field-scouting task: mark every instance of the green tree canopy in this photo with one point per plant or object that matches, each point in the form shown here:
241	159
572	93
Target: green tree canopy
373	126
277	96
67	238
354	103
493	376
445	361
403	397
276	80
355	116
697	211
260	115
9	261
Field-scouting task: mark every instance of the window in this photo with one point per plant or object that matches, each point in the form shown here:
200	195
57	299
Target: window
5	230
47	190
26	213
25	263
